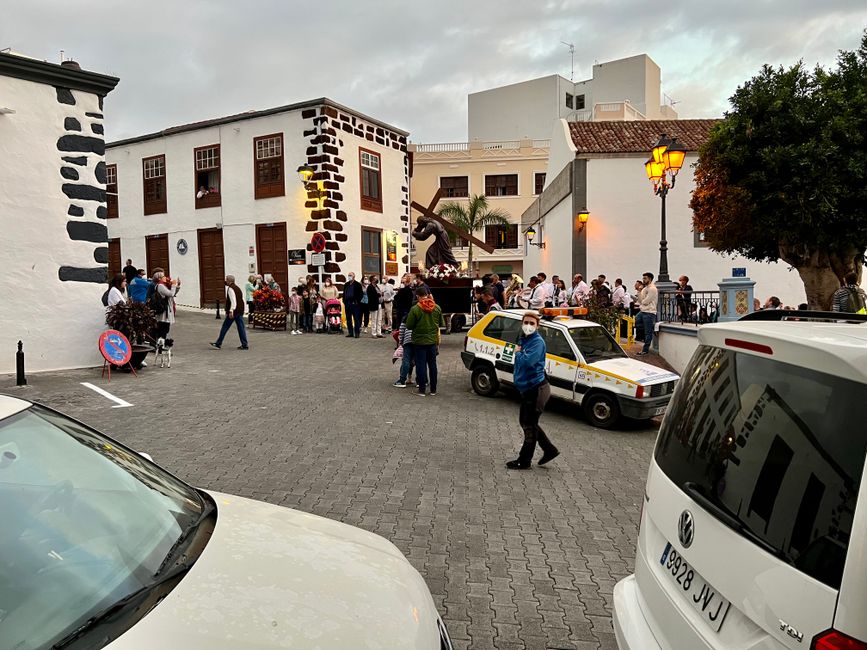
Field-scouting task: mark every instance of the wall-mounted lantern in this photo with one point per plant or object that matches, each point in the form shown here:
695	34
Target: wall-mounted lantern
583	218
314	189
531	234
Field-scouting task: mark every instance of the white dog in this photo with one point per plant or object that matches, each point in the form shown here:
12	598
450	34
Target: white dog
164	352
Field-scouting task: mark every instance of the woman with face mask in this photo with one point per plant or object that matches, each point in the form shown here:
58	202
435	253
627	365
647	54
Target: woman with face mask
329	291
532	383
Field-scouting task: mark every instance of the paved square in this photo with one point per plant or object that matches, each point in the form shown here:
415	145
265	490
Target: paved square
513	559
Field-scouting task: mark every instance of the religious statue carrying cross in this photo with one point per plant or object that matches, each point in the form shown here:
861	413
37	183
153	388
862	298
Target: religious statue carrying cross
431	224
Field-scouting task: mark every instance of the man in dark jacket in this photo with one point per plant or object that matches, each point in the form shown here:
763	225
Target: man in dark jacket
403	299
352	293
234	314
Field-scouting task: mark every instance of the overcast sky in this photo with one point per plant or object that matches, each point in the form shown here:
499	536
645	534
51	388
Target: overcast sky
410	63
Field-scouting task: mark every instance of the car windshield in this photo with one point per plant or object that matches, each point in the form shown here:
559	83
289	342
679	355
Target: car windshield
596	344
84	523
775	449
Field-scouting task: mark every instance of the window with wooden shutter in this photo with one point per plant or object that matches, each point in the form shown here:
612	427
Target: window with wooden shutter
154	172
501	185
207	181
455	186
502	236
538	182
268	166
111	191
371	180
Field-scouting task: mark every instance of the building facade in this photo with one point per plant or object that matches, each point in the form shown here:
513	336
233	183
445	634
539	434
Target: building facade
625	89
598	167
52	212
510	174
224	197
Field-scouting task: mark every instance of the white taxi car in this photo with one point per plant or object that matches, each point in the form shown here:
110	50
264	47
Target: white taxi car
753	528
584	364
99	547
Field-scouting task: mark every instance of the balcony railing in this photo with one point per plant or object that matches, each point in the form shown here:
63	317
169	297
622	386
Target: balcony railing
482	147
443	146
698	307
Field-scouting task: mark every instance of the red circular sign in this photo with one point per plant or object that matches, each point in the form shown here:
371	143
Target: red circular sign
317	242
115	347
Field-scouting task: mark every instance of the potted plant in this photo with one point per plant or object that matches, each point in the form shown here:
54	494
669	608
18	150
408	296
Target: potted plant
270	312
136	321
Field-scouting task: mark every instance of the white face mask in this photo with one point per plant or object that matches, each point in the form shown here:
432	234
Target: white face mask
528	328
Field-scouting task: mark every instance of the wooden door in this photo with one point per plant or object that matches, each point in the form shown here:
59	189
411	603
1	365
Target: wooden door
212	274
114	264
157	247
272	254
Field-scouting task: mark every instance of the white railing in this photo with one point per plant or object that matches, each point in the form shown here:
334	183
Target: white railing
506	144
541	144
443	146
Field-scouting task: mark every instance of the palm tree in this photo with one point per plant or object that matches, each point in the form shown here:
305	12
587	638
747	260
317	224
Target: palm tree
471	217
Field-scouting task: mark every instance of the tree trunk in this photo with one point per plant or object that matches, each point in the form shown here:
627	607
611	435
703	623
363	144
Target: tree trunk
822	271
470	259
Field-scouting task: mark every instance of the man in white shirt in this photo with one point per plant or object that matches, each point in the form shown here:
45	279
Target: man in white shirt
579	292
647	309
620	298
533	295
546	288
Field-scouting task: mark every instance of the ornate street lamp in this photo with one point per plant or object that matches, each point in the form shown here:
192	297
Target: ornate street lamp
531	233
665	161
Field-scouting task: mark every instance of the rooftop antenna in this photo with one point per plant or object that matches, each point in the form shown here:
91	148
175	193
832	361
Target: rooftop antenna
572	53
61	56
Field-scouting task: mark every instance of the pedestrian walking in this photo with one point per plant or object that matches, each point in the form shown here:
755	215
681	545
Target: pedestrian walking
425	320
850	298
352	294
530	380
647	309
234	314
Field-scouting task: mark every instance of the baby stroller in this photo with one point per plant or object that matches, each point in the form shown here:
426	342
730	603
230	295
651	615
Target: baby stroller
332	316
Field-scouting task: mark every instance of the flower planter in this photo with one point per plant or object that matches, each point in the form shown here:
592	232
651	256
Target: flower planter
269	320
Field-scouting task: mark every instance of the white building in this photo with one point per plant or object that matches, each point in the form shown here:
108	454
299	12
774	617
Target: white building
625	89
52	212
223	197
599	167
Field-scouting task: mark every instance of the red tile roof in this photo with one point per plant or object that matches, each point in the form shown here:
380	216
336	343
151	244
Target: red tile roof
637	136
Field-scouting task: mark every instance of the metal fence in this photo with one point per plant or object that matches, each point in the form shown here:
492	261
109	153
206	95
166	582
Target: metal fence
695	307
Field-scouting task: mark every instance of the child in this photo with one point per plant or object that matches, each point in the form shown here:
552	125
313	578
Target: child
295	312
307	309
319	318
407	364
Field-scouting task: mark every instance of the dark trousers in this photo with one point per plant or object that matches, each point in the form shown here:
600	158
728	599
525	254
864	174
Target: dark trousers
425	365
242	331
353	319
407	362
365	314
307	321
532	406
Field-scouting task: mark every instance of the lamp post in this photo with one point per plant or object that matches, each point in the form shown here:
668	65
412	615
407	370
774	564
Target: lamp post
665	161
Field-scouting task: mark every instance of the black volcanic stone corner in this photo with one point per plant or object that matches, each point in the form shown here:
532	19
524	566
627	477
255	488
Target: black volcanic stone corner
99	275
99	172
69	173
87	231
76	160
75	211
64	96
96	115
81	144
100	255
101	212
71	124
84	192
97	128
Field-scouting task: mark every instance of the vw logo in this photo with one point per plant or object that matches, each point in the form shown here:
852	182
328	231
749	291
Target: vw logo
685	528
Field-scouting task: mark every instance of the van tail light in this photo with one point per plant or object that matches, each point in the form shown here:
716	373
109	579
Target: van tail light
639	392
749	345
834	640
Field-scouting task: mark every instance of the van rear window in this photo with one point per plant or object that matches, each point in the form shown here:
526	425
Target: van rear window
776	452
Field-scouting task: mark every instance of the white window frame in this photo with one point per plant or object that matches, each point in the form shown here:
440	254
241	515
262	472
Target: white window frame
501	196
154	168
269	148
207	159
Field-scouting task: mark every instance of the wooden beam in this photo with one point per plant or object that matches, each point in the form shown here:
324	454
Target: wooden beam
448	225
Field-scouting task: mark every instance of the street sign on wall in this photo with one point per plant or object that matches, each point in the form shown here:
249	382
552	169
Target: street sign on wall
297	256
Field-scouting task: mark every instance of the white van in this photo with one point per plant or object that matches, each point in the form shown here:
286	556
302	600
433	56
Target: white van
753	530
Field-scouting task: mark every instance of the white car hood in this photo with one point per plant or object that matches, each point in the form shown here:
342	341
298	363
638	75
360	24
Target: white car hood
271	577
635	371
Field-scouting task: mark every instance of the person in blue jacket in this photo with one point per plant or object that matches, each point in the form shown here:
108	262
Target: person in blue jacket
139	288
530	380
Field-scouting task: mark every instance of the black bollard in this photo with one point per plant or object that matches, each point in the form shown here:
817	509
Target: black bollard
20	379
218	309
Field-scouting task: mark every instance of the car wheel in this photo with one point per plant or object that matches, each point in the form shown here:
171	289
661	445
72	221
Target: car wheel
601	410
485	381
458	322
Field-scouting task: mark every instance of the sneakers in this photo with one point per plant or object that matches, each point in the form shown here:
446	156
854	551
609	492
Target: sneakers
641	354
433	393
420	393
243	347
399	384
214	345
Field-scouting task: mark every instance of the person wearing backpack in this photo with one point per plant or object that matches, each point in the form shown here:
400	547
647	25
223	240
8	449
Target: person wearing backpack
161	300
850	298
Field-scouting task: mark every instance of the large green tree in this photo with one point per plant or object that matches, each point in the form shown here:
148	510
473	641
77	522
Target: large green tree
471	217
784	175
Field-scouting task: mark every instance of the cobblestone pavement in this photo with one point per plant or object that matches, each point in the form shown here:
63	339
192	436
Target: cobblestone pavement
513	559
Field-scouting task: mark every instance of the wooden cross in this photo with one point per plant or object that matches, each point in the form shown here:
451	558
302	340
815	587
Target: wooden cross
448	225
